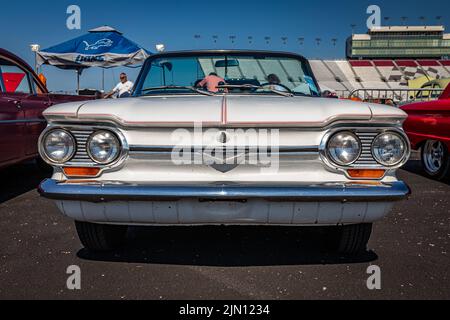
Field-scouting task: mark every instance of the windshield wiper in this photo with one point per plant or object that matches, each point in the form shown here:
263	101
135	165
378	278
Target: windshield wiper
289	93
206	93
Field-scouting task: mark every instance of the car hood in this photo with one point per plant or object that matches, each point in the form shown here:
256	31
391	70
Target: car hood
229	111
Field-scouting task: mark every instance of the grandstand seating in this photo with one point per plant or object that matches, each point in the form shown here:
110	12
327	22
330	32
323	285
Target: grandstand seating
343	75
327	77
390	73
368	74
350	80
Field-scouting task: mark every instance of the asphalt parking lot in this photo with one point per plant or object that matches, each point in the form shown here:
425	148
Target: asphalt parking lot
411	247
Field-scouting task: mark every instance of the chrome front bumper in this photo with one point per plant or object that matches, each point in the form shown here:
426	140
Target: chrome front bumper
98	192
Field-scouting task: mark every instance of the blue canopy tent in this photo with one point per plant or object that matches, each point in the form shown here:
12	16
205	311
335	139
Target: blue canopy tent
102	47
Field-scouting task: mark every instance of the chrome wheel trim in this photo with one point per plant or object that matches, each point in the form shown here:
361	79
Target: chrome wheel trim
433	156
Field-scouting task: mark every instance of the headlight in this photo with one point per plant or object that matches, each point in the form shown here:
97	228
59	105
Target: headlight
344	148
389	149
103	147
58	146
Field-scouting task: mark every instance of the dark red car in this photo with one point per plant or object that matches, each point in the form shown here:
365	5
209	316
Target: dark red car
428	127
23	98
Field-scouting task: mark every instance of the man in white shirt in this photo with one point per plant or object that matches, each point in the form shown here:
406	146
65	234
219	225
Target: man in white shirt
123	89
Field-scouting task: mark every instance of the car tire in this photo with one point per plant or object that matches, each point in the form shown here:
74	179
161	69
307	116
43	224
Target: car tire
353	239
99	237
435	160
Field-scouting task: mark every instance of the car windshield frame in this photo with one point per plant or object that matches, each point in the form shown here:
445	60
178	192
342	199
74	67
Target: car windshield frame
140	86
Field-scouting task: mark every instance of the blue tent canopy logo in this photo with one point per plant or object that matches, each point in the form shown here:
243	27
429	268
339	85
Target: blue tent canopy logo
99	44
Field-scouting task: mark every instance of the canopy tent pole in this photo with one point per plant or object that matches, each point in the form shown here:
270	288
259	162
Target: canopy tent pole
103	79
78	81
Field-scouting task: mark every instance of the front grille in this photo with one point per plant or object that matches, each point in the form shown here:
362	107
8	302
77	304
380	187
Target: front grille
366	159
81	156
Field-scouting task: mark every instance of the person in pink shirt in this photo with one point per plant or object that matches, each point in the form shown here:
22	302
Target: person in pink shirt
211	82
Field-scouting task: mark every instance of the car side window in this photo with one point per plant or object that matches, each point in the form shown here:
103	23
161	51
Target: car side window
15	80
2	86
35	86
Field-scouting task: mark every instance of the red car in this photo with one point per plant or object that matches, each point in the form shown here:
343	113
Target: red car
428	127
23	98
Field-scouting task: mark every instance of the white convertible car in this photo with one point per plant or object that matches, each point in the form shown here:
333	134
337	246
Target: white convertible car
225	138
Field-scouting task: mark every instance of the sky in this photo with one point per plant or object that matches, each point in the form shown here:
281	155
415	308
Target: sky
175	24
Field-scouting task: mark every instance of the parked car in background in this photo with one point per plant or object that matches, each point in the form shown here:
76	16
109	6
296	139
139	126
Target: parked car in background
225	138
23	98
428	128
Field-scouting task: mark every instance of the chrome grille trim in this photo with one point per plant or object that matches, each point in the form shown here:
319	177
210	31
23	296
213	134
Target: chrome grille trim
366	159
81	156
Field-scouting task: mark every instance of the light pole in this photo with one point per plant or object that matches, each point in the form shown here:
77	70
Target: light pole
422	18
353	26
35	48
404	19
197	37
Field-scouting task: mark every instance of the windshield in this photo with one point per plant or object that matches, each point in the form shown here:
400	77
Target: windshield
231	74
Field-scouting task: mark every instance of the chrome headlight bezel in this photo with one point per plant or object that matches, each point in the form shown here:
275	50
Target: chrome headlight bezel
45	154
111	158
404	156
335	159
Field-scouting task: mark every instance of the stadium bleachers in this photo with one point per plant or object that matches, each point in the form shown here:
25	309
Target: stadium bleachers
434	68
350	80
390	73
327	78
368	74
349	75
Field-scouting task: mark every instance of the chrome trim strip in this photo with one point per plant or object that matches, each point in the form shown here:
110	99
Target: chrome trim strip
374	123
23	121
111	191
169	149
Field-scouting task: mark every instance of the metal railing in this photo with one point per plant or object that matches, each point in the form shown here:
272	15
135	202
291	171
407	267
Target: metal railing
396	96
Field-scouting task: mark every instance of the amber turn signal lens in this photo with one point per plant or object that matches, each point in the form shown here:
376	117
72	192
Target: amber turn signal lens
366	174
81	172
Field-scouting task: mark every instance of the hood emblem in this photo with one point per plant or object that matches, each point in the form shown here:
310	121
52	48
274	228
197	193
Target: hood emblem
223	137
224	162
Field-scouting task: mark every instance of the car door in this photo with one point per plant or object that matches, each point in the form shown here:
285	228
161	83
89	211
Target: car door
31	99
11	118
33	106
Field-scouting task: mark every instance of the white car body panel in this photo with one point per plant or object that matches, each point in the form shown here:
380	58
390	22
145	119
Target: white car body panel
149	121
228	111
